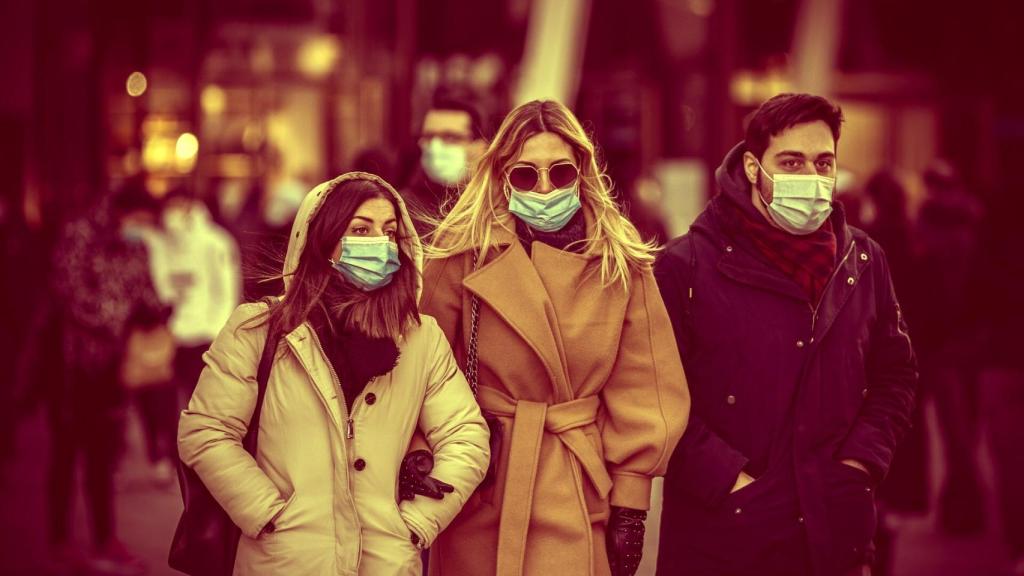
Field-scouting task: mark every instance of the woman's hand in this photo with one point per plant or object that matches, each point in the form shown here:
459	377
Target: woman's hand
414	478
625	540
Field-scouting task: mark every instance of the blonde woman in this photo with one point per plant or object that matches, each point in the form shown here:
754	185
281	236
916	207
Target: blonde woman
357	368
537	271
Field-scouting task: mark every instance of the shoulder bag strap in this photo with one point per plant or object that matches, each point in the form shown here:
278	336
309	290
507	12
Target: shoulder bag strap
262	377
474	328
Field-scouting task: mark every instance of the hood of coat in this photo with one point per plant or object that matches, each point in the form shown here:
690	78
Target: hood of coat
408	240
732	181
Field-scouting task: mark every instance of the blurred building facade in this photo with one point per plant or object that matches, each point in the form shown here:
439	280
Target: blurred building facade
224	86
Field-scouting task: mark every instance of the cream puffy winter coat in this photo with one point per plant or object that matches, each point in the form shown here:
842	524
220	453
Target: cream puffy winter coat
325	473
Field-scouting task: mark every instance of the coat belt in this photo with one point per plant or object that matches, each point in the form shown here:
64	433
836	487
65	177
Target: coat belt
531	421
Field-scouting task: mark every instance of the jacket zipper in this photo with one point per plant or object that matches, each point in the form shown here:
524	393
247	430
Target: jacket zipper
816	307
350	429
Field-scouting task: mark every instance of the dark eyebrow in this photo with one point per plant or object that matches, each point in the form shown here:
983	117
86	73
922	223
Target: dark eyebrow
390	221
796	154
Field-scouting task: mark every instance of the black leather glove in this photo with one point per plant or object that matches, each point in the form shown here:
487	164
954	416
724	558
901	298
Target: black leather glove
413	478
624	540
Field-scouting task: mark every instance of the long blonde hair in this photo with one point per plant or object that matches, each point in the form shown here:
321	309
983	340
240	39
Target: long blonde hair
483	203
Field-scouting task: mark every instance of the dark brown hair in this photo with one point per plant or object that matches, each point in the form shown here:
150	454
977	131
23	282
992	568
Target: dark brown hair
784	111
382	313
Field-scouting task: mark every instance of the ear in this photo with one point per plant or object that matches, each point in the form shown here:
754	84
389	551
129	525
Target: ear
750	167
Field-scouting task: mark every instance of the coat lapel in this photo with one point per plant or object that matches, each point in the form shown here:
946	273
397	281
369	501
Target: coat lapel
746	269
509	285
305	346
853	263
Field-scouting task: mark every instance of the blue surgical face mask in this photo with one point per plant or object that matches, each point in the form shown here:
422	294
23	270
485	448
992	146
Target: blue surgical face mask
444	163
545	212
368	262
800	202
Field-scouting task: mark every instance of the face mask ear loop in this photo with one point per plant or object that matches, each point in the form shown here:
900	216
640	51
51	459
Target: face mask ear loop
770	179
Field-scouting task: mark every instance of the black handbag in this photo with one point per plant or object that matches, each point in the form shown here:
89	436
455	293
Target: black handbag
472	359
206	540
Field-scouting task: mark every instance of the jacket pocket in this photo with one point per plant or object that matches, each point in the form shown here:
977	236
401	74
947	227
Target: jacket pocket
852	516
281	520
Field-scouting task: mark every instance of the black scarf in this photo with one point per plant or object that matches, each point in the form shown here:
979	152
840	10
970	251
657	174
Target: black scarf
356	357
573	231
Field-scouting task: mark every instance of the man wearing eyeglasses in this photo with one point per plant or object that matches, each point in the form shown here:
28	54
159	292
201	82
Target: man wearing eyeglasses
451	140
797	357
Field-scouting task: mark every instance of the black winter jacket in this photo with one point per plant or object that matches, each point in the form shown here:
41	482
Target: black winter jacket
783	389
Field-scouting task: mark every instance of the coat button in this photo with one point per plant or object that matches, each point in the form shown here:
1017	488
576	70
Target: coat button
359	464
728	248
739	510
850	280
800	519
799	343
863	257
864	392
730	399
371	398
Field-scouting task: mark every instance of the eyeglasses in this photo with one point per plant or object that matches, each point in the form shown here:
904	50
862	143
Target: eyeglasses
446	137
525	178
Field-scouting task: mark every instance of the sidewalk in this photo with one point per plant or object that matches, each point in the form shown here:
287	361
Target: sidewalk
147	514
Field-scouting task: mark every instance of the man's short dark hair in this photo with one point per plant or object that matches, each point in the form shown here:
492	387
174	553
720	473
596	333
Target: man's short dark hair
784	111
449	101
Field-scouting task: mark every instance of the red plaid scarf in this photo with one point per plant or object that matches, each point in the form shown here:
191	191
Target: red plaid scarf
809	260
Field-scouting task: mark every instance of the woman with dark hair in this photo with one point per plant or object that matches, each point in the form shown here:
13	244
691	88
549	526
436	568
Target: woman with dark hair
357	368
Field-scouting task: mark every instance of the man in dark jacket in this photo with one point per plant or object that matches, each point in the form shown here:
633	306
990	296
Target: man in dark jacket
798	360
451	140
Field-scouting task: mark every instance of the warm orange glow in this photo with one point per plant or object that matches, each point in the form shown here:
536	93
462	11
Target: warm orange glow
186	149
318	55
136	84
213	100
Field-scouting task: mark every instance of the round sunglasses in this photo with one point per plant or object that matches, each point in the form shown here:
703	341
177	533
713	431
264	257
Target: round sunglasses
525	178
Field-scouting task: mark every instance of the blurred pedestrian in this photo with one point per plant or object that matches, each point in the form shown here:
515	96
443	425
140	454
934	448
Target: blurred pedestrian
103	288
203	274
646	208
1002	376
321	495
905	489
802	373
945	316
195	269
377	160
452	137
546	290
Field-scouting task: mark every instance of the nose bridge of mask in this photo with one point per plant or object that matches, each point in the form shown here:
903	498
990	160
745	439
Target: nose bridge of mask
795	185
372	249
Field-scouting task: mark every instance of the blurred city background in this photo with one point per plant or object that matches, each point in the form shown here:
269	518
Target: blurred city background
224	113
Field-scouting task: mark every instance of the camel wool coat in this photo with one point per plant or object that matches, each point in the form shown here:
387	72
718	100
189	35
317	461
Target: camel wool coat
588	384
326	474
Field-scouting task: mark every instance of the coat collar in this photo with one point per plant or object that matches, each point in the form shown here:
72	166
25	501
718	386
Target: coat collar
742	262
305	345
512	287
